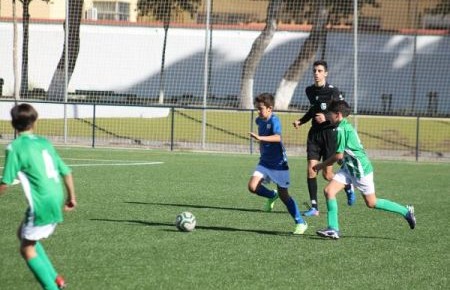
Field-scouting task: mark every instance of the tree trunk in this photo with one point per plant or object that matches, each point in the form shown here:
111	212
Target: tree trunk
15	56
56	91
256	53
306	56
167	15
25	40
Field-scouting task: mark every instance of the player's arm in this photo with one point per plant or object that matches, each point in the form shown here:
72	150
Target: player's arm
71	200
309	114
337	95
270	139
10	169
306	117
330	161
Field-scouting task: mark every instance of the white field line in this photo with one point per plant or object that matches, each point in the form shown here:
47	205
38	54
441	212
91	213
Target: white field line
111	164
115	164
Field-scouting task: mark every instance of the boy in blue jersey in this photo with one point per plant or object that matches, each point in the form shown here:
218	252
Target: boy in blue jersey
273	165
356	169
36	163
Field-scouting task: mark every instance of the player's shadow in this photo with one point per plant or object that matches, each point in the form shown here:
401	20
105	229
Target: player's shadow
230	229
201	206
198	227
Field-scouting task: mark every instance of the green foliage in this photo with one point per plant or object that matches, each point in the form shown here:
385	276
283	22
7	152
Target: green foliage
301	10
442	7
163	10
122	235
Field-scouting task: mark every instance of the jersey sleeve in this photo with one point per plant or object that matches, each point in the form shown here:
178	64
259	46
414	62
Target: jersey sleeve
276	126
337	95
11	166
312	109
340	140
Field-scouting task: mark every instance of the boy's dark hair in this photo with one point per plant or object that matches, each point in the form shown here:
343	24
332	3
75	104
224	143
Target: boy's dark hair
340	106
322	63
23	117
267	99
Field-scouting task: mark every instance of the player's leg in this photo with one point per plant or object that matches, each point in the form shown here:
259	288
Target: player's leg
312	189
329	141
368	189
37	265
59	280
35	256
255	186
334	186
313	156
292	207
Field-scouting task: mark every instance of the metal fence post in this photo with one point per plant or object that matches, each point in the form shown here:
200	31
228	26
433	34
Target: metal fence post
417	138
172	127
93	125
251	130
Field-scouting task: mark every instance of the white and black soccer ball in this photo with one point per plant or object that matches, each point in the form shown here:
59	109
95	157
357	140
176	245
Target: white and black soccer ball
185	222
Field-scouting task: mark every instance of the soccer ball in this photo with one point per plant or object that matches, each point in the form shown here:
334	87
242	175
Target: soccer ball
185	222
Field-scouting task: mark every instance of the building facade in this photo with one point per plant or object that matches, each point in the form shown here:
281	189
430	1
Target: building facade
387	15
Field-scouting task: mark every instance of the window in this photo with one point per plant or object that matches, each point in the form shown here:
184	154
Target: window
112	10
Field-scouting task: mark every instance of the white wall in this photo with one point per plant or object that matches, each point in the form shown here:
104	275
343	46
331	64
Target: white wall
128	59
56	111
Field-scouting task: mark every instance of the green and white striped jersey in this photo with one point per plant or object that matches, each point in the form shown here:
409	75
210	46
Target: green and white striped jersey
34	160
355	157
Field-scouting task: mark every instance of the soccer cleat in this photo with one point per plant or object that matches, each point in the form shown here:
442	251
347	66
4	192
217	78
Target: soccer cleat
311	212
300	228
410	217
329	233
60	282
351	197
270	202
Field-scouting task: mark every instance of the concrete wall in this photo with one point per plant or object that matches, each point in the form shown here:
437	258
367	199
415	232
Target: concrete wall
128	60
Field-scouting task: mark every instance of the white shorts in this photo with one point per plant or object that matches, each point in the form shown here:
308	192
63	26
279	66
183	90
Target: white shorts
36	233
364	184
279	177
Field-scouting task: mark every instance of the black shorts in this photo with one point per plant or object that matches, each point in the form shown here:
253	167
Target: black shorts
321	144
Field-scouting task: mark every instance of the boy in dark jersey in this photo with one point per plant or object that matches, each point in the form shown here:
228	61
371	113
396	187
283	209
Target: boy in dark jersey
321	143
273	165
39	168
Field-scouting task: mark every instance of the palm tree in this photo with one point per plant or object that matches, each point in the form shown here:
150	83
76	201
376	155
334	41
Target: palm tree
25	40
56	90
15	57
324	12
317	12
163	10
256	53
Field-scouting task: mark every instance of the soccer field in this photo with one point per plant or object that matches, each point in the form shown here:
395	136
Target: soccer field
122	235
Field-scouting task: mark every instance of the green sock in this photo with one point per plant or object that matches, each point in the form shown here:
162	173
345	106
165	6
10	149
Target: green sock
39	269
332	216
43	256
387	205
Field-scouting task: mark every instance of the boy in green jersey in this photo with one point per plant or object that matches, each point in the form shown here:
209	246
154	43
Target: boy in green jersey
34	161
356	169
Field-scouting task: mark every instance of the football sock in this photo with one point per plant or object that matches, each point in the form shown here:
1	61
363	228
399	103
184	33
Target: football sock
43	256
387	205
312	188
39	269
293	210
332	216
348	186
264	191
